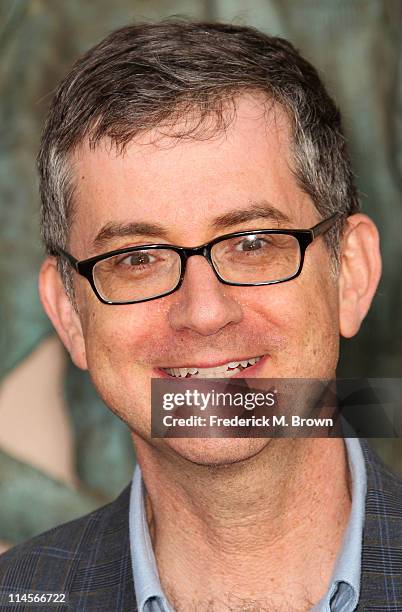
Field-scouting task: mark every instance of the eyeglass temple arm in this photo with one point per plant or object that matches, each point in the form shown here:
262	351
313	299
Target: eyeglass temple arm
71	260
325	225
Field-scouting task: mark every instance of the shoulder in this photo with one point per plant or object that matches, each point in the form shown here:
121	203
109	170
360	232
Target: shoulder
382	537
384	486
383	513
92	551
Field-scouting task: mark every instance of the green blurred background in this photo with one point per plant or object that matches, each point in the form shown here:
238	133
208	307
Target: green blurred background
356	44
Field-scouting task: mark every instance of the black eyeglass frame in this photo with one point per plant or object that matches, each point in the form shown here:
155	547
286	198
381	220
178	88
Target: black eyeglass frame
304	237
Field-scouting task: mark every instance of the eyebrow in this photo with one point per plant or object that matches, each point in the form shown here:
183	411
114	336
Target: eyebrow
256	210
121	230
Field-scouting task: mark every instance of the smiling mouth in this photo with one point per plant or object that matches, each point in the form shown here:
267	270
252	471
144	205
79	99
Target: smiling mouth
223	371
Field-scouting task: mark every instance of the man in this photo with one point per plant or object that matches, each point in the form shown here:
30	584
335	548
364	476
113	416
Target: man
176	134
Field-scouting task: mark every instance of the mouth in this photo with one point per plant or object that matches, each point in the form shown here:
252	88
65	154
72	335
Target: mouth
226	370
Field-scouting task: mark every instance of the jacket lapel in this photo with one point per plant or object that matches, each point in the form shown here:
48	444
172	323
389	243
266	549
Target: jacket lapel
103	580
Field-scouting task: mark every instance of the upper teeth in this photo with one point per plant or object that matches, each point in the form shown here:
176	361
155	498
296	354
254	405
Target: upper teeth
215	372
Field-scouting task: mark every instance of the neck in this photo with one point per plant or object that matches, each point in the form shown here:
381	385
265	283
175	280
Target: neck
277	518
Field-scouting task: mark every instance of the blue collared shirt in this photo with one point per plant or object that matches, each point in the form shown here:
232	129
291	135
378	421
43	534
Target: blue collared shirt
344	586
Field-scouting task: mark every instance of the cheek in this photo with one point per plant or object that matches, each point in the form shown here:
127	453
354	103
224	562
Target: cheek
117	340
315	325
305	315
119	335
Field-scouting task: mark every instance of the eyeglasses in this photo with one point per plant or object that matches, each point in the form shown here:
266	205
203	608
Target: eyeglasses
243	259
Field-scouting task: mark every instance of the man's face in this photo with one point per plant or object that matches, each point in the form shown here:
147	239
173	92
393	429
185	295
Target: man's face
192	189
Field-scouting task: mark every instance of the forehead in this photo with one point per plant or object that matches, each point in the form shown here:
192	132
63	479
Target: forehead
183	184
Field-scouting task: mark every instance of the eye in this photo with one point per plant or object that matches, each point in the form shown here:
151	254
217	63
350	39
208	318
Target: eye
139	258
251	243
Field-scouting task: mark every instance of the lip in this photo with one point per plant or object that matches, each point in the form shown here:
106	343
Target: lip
251	370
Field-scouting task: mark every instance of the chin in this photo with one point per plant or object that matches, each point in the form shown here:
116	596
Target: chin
216	452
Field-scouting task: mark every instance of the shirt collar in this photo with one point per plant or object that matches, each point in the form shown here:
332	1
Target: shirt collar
344	587
147	585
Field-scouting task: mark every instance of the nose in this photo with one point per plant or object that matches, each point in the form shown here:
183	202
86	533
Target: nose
203	304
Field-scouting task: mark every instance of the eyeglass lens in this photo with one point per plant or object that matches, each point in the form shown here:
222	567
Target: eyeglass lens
257	258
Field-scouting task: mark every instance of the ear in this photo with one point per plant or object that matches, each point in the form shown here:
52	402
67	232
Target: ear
359	274
61	311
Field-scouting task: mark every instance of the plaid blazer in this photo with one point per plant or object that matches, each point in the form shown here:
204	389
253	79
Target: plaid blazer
89	558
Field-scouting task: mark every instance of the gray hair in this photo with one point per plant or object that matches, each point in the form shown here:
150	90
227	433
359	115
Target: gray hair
145	76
